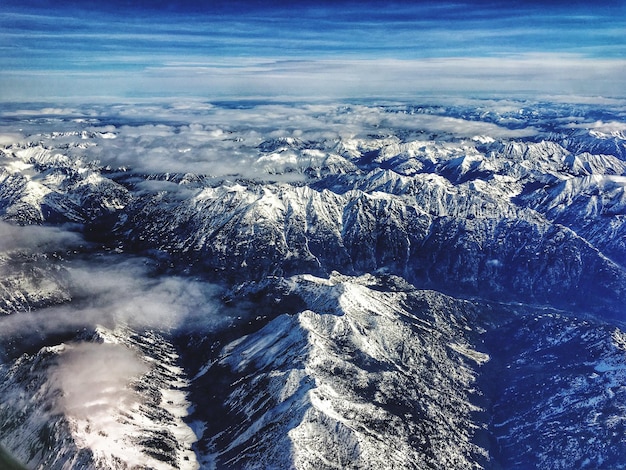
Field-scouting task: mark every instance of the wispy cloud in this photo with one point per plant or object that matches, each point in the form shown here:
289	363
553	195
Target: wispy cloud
95	380
115	292
123	50
224	141
33	237
528	74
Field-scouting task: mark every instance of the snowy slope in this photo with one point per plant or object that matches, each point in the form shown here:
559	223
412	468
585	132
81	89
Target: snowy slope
365	378
113	400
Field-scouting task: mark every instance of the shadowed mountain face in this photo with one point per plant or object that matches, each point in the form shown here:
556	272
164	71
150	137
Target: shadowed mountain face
314	287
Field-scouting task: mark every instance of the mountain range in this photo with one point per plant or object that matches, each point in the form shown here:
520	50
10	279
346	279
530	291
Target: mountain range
271	285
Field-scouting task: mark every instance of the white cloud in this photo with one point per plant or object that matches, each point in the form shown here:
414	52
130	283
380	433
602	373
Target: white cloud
33	237
10	138
455	126
521	75
96	394
224	142
95	379
125	292
611	127
122	291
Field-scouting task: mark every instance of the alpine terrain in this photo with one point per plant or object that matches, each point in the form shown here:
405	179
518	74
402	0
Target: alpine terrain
249	285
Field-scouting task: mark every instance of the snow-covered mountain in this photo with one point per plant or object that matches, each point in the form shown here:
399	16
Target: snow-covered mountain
314	287
112	400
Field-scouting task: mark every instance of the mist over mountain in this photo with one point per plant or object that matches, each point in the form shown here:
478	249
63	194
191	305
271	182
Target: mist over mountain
267	284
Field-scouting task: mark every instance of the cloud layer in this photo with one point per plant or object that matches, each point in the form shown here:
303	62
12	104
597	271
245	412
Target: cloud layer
321	49
121	291
228	141
521	76
95	379
13	237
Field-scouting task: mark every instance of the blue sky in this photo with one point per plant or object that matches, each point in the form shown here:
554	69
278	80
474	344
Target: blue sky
123	49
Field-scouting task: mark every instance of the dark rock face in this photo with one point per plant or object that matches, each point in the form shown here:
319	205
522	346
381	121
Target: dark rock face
364	295
562	376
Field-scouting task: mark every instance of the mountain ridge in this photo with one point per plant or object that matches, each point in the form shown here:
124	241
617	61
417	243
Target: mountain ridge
341	286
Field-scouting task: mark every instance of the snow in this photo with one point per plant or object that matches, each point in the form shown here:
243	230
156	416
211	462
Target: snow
483	139
367	369
175	401
604	366
35	193
95	381
315	387
470	353
105	410
237	188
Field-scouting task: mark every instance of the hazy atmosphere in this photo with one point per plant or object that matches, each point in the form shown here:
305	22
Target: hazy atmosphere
313	50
